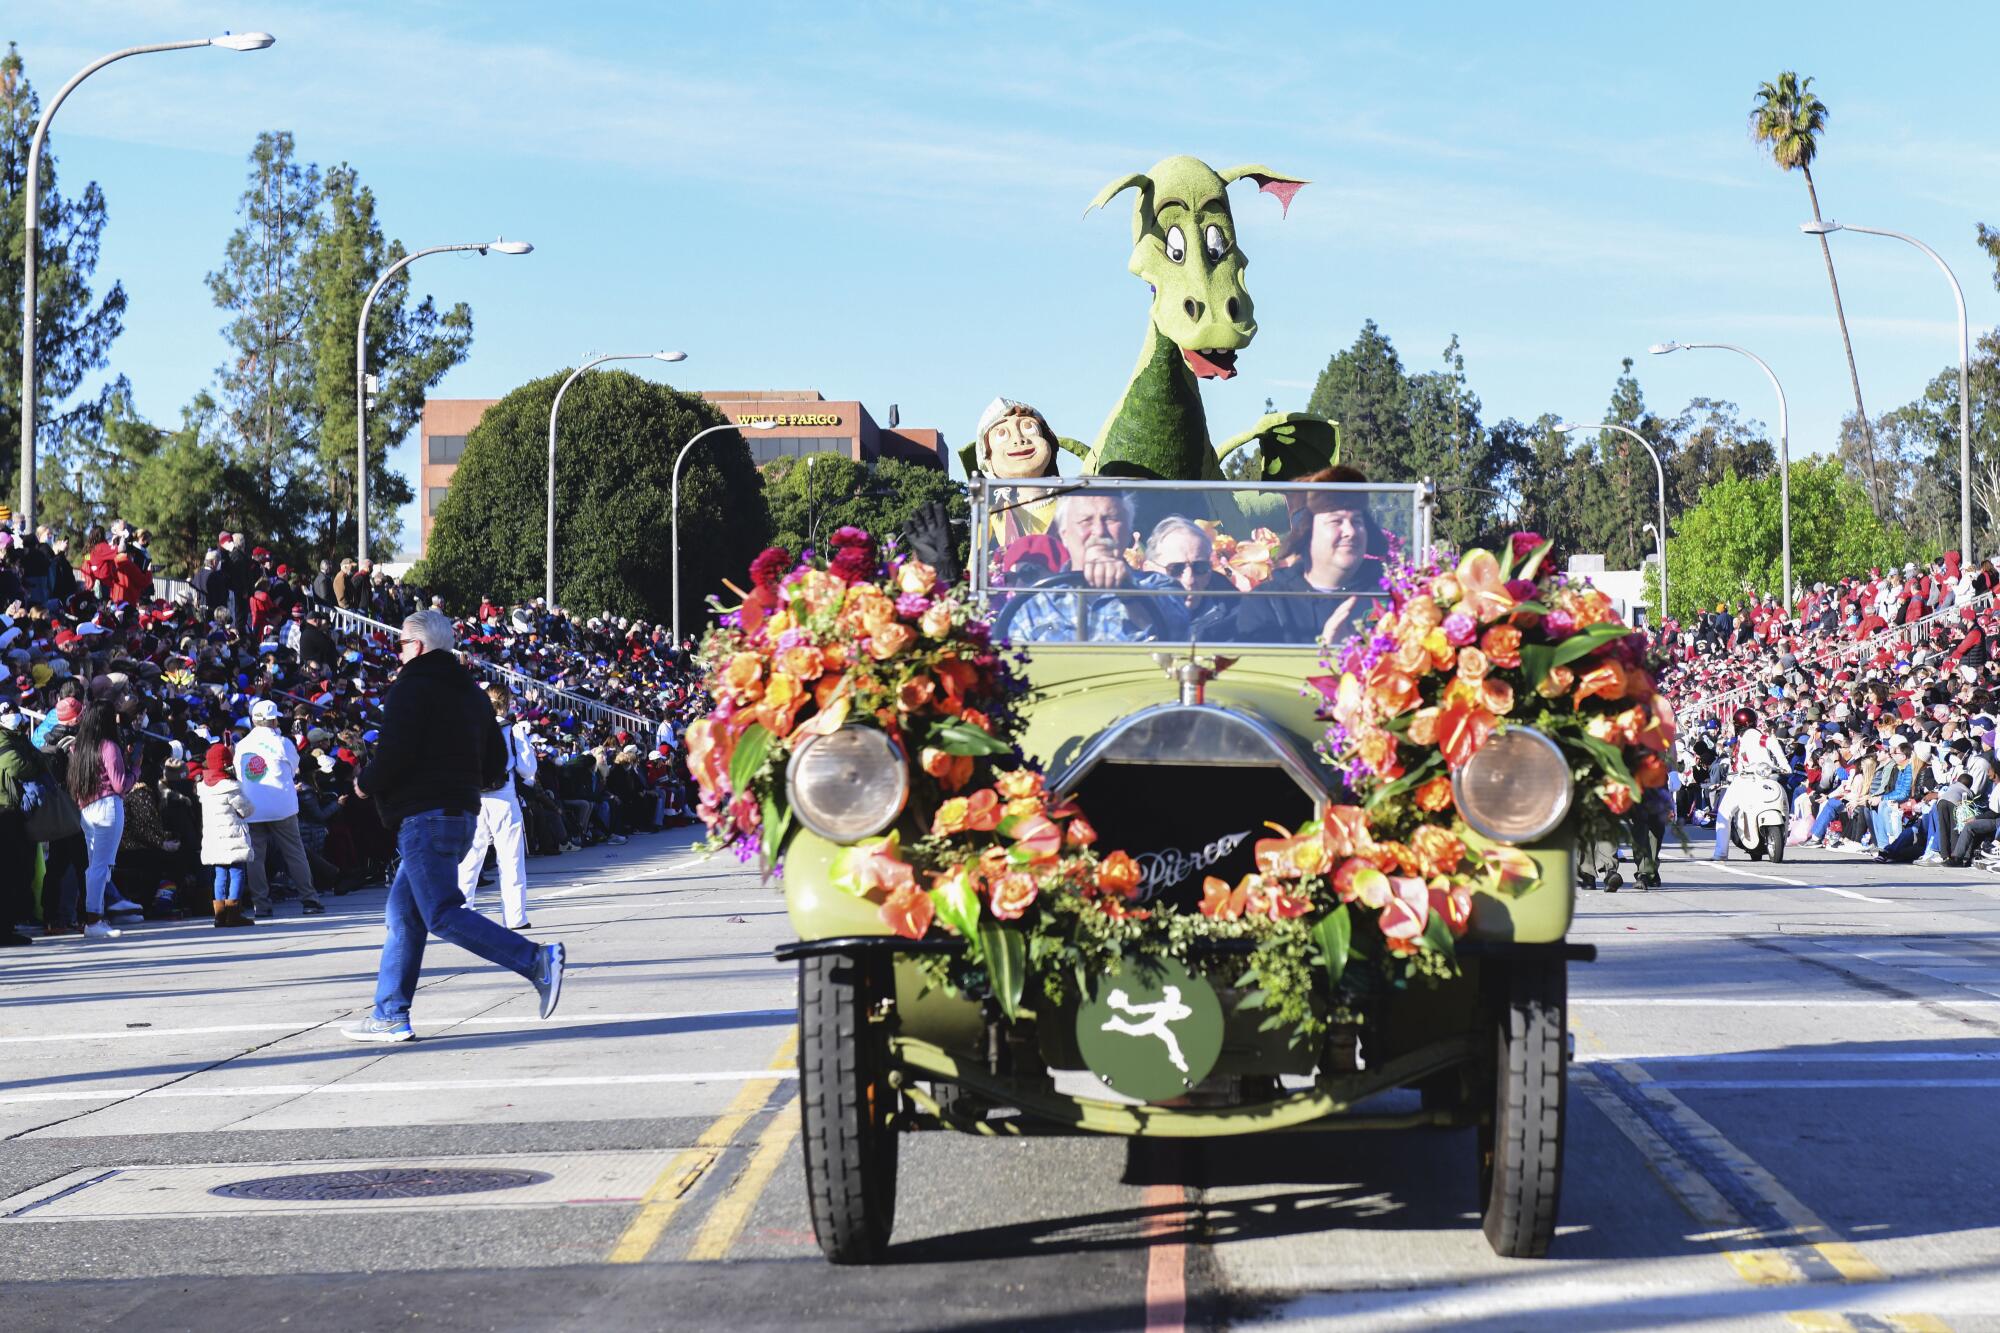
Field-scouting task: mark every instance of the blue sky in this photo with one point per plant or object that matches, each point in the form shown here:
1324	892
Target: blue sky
885	201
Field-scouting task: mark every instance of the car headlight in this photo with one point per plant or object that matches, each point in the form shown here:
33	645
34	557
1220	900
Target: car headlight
849	785
1516	788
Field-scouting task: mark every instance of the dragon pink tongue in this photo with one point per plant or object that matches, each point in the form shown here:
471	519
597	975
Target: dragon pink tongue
1210	365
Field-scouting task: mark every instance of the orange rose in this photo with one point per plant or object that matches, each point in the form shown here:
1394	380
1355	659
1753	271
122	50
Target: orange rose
1497	696
783	698
1423	727
915	693
1422	614
1556	683
743	672
951	770
834	656
1118	873
1472	665
1018	782
1436	851
1412	657
1502	643
1013	894
936	620
1446	590
890	639
1603	681
914	576
804	662
1080	833
1393	692
1435	796
1617	797
1377	749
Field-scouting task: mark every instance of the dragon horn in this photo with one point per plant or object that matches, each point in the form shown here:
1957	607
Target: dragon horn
1142	207
1269	181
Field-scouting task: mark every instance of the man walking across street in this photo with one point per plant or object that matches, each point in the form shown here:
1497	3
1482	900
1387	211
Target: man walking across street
267	765
440	747
500	824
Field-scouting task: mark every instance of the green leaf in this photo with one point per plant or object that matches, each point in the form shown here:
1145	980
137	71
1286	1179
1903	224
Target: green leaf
1431	763
1333	933
1608	755
1587	641
957	905
962	738
1536	661
1437	937
1533	564
1006	964
777	823
748	757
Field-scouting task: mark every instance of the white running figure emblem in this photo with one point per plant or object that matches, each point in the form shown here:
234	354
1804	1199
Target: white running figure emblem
1167	1010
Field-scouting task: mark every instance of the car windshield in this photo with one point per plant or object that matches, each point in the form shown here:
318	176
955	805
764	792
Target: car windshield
1117	561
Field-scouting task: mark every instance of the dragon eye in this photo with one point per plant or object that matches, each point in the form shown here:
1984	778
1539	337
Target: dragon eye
1176	245
1214	242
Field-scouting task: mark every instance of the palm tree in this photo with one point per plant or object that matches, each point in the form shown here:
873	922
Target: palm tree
1788	120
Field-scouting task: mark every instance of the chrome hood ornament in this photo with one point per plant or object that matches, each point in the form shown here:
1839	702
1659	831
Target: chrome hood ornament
1193	672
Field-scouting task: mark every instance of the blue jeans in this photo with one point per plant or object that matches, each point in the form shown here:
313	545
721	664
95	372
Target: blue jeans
229	883
1827	814
425	899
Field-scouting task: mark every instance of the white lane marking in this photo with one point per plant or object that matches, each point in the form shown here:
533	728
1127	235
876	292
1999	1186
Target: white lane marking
1801	1058
306	1025
1818	1084
393	1089
1728	869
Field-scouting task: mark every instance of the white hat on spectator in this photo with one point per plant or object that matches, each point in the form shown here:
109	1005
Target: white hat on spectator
265	710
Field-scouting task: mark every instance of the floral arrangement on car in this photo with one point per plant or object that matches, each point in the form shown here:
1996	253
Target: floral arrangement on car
1356	899
1466	650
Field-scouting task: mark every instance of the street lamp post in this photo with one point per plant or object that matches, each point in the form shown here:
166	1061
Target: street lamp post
550	558
361	371
1964	369
1784	455
242	41
680	458
1659	474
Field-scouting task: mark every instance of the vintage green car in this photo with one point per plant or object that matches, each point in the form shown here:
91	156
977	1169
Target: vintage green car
1174	707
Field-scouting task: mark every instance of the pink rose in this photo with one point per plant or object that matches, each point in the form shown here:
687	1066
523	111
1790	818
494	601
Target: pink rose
1559	624
1460	629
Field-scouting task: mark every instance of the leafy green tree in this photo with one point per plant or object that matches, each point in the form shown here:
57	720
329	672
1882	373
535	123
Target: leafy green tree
1707	439
1788	120
73	328
614	468
811	496
1363	388
1729	543
411	346
1448	445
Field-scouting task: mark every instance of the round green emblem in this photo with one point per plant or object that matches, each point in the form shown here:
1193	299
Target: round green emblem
1153	1031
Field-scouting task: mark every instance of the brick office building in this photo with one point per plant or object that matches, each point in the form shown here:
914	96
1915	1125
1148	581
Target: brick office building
803	422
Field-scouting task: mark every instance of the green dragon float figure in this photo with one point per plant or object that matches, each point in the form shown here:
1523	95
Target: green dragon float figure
1184	246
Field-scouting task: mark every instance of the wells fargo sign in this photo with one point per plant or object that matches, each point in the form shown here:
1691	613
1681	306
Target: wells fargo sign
789	419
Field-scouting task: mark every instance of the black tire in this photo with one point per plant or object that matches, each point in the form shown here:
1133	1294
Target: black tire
1521	1150
1756	844
847	1107
1774	843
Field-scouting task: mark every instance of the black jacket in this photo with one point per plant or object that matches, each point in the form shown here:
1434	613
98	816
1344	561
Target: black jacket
316	645
440	745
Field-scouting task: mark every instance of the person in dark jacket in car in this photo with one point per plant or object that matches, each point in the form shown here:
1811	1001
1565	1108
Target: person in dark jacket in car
439	748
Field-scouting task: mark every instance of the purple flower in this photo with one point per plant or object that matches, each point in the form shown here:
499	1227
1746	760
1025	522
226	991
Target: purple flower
1559	624
1460	629
910	605
1523	590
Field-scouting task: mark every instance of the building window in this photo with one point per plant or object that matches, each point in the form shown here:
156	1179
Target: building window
432	496
446	448
767	448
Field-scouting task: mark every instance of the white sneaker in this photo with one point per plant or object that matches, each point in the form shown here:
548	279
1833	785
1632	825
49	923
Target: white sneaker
99	930
124	907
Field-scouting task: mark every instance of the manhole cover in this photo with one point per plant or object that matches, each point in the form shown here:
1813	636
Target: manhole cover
400	1182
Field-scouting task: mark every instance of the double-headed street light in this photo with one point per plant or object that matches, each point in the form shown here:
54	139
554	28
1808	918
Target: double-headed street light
239	41
1784	454
361	371
680	458
550	559
1964	369
1660	473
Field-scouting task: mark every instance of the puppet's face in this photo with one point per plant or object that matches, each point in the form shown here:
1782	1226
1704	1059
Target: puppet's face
1017	445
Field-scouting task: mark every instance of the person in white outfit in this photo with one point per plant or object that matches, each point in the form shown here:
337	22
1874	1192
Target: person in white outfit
267	764
500	824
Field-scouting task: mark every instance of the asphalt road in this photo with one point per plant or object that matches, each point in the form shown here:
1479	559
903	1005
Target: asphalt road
1781	1116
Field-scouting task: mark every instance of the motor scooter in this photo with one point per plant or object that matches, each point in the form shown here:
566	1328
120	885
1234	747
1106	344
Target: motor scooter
1760	820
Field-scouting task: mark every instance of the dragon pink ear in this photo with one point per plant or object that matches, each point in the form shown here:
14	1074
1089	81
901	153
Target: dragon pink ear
1268	181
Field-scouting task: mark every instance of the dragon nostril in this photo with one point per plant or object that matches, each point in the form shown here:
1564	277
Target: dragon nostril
1232	309
1193	310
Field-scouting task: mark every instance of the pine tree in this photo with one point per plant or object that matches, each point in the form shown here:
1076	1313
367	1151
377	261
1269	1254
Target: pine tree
1364	390
73	329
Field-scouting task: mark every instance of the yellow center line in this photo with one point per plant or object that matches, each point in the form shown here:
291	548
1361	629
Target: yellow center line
664	1197
726	1220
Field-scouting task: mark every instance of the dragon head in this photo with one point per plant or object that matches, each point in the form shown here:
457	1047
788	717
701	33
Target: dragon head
1184	246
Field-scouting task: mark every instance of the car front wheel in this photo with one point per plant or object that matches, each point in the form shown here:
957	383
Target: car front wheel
847	1106
1521	1149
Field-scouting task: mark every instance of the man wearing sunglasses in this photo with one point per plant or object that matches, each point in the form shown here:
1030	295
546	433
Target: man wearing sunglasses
439	748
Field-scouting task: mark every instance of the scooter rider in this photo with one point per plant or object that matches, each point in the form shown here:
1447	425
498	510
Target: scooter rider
1753	750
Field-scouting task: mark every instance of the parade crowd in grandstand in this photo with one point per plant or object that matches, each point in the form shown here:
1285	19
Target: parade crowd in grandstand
1882	693
146	741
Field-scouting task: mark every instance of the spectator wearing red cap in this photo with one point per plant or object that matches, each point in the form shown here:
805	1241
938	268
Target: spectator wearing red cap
225	834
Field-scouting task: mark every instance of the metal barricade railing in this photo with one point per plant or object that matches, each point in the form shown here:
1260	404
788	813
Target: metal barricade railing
518	681
1828	654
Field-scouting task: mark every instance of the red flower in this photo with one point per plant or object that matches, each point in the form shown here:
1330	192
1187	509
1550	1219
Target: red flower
770	566
908	912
